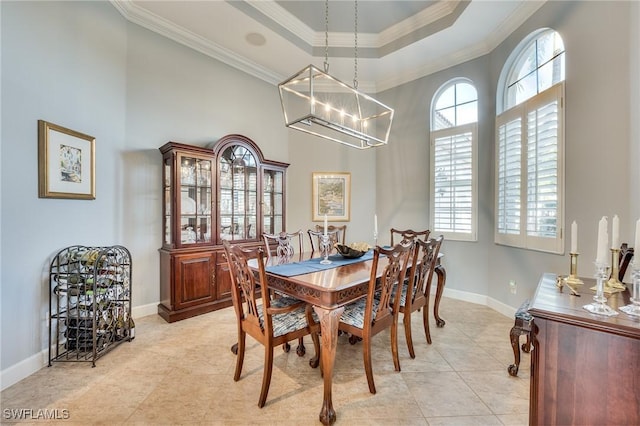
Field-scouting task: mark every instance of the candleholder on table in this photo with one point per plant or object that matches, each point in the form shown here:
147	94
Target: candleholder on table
633	308
599	305
614	283
572	280
325	249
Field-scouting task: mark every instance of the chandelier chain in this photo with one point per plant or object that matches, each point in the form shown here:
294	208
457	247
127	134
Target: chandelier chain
326	36
355	64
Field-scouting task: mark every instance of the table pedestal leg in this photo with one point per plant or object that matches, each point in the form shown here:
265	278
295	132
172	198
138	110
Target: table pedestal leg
442	279
329	319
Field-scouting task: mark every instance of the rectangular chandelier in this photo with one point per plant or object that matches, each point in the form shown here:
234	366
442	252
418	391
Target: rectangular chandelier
315	102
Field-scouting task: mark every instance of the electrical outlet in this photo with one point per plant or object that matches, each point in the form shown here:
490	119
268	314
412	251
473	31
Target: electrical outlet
513	286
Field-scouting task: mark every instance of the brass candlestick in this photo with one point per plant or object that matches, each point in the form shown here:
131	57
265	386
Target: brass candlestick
572	280
613	284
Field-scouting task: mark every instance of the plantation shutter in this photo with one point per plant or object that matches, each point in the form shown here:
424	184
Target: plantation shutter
509	160
529	173
542	171
454	183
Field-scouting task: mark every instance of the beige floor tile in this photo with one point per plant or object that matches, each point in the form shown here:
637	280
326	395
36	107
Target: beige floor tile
182	373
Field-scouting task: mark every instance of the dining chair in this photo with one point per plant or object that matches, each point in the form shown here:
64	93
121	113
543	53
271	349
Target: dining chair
376	312
273	322
314	237
417	289
408	235
342	232
283	243
285	248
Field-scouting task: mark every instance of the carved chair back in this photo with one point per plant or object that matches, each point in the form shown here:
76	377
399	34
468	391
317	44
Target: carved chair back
316	242
408	235
284	243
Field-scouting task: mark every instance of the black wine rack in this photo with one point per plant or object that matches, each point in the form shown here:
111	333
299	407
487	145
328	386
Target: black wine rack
89	302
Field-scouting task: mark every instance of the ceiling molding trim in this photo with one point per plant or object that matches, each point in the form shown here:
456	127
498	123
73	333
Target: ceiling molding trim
276	13
509	25
448	61
426	17
159	25
286	20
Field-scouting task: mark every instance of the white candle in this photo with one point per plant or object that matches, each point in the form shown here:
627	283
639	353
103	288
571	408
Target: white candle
615	232
325	225
574	237
375	224
603	239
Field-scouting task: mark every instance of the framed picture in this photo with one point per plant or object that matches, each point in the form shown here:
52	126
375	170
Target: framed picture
66	163
331	196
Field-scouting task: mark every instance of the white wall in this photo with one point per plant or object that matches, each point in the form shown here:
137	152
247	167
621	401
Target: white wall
310	154
64	63
634	112
600	148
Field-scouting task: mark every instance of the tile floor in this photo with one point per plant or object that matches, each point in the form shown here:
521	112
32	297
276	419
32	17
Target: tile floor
182	373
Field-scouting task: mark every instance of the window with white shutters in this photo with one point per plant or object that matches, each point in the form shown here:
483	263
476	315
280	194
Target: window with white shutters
453	161
530	149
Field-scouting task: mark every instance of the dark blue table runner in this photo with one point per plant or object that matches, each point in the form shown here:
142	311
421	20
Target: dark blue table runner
314	265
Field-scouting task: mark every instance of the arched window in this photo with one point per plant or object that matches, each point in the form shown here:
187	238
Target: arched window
530	145
453	157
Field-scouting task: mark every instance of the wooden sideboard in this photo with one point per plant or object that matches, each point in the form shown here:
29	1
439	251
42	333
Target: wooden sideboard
585	369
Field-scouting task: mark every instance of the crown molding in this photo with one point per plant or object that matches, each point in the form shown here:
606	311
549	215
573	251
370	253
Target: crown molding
508	26
157	24
281	17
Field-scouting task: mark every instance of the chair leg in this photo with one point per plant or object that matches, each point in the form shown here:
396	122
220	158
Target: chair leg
266	377
240	355
366	351
394	345
425	321
300	350
406	320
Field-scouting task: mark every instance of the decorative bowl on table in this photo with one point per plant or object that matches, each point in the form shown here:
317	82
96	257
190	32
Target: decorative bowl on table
353	250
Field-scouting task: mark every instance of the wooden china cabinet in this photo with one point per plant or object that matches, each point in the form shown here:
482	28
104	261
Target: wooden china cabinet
224	192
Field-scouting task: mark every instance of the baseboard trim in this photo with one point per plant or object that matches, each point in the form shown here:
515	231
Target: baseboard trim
481	299
25	368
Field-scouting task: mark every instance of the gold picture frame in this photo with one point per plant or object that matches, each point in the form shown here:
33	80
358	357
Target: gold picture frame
331	196
66	163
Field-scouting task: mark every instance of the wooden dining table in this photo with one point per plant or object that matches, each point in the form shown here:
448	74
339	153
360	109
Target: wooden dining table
328	291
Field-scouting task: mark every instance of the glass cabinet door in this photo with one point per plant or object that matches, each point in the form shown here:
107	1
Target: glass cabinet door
195	199
273	201
166	188
238	196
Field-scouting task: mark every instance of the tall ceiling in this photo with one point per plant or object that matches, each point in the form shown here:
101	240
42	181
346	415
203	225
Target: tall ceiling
395	42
